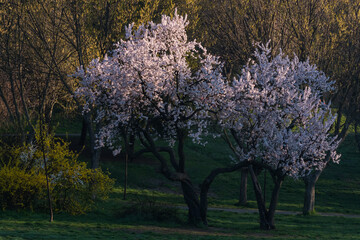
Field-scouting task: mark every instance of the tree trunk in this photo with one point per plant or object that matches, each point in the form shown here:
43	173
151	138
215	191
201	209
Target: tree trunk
264	224
95	152
311	179
95	156
189	192
243	187
357	136
204	201
309	197
267	217
125	174
84	130
192	201
207	182
131	146
274	200
42	139
338	119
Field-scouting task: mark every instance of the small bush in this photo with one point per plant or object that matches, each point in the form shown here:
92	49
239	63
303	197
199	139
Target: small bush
20	188
73	186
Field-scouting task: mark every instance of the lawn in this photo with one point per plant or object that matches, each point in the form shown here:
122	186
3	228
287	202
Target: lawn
337	191
97	225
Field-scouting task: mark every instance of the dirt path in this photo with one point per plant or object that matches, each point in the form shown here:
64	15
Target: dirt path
282	212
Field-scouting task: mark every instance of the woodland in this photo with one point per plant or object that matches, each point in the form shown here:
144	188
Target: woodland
145	119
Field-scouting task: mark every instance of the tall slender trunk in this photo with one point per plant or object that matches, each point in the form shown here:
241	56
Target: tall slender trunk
311	179
84	130
17	113
125	174
2	96
51	213
309	197
338	119
243	187
42	139
95	152
77	31
131	146
357	136
126	142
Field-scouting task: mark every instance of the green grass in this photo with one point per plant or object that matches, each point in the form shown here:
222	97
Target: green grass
222	226
337	191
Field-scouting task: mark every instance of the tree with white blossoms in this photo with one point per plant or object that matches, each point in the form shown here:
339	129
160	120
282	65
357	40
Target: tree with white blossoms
275	119
156	83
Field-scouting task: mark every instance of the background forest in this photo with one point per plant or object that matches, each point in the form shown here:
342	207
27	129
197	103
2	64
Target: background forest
43	43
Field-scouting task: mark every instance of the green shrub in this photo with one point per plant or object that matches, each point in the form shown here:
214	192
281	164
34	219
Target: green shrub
73	186
20	188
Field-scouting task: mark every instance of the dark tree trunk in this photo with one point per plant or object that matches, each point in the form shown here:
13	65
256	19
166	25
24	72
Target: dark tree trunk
267	217
95	155
125	175
309	197
243	187
311	179
274	200
190	196
192	201
127	148
131	146
357	136
95	152
204	201
338	119
207	182
264	224
43	135
84	130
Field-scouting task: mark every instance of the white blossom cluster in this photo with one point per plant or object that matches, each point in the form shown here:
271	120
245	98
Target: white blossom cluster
65	177
27	157
156	78
276	114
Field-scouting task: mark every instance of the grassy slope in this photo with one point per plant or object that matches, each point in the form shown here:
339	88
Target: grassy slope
337	191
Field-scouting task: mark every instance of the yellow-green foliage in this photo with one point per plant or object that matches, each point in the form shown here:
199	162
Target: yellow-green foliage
73	186
20	188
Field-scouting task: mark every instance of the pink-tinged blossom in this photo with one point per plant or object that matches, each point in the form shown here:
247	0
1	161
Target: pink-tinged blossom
276	114
155	78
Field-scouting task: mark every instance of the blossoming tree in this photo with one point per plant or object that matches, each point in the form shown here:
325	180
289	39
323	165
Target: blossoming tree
156	83
275	119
